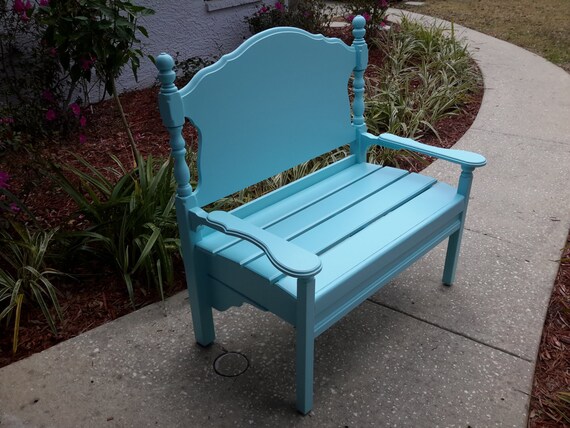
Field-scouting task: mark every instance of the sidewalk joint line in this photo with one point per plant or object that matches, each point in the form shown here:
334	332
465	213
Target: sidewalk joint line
458	333
510	134
488	235
498	238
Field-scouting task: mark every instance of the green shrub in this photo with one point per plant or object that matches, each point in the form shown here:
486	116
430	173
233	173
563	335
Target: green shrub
187	68
427	75
24	276
313	16
52	51
373	11
30	76
133	223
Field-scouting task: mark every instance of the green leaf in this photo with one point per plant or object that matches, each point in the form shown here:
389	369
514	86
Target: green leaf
15	338
148	247
144	32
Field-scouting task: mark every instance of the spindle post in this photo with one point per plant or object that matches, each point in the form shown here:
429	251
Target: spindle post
361	50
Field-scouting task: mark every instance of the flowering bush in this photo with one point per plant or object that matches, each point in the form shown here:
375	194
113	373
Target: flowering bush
10	205
50	50
27	70
374	11
311	15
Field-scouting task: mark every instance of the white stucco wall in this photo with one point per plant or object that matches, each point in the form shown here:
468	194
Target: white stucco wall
192	28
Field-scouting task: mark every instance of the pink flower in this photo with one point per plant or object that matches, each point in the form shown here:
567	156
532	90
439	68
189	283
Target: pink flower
86	64
382	24
14	207
4	178
366	16
52	52
82	121
75	109
383	3
44	3
264	9
50	115
19	6
279	6
22	8
349	18
82	138
6	120
48	96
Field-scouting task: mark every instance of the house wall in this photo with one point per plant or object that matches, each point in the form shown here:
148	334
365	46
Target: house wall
206	29
191	28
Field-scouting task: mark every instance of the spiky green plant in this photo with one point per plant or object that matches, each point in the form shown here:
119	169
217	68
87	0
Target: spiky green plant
427	75
133	223
24	276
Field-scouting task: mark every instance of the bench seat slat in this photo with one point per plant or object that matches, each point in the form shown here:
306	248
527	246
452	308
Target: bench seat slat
320	211
266	216
359	249
324	226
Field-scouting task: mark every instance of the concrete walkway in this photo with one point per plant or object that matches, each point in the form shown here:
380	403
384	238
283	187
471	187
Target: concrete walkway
416	354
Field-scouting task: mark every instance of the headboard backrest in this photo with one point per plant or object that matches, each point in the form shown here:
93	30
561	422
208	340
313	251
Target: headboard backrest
278	100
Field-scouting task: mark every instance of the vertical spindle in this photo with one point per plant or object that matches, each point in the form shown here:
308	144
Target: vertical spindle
361	49
172	112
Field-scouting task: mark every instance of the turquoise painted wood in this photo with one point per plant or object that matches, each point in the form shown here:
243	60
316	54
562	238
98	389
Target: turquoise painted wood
315	249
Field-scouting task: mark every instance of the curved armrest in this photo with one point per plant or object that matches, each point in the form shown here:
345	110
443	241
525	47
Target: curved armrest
461	157
284	255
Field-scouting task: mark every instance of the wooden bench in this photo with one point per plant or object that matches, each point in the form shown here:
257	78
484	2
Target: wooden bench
314	249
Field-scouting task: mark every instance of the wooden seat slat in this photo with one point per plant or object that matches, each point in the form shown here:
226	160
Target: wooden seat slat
290	226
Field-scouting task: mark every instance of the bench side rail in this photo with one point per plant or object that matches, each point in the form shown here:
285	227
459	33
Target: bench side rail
278	100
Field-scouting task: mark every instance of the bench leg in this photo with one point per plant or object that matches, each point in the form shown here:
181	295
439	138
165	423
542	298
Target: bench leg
453	246
202	318
305	343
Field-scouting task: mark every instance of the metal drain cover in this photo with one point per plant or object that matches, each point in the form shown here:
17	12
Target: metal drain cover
231	364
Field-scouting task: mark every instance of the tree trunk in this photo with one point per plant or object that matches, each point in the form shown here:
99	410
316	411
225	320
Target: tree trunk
125	122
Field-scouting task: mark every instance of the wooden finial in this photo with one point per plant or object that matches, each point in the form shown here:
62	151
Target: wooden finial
166	74
358	24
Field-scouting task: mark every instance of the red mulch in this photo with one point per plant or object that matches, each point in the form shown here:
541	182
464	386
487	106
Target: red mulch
93	299
552	372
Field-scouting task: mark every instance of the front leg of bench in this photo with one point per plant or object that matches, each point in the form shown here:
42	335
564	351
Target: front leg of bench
305	346
454	243
202	318
291	260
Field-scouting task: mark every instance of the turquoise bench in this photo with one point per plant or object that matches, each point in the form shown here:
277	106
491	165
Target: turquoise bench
314	249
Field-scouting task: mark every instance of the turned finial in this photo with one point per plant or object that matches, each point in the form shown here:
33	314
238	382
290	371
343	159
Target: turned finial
166	74
358	24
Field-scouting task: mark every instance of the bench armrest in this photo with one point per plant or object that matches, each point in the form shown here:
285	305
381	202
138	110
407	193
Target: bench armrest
391	141
289	258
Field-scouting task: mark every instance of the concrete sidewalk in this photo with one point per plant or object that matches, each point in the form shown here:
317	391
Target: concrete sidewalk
416	354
